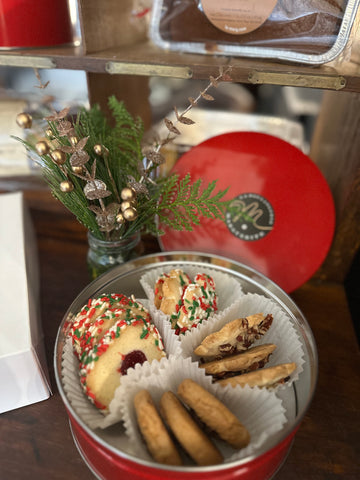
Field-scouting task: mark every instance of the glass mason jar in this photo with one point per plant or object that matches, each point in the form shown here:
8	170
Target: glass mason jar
103	254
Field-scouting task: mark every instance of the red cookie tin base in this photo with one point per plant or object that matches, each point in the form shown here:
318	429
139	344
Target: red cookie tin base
109	455
106	465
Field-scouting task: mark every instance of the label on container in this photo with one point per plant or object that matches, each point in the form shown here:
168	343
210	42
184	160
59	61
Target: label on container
250	217
237	17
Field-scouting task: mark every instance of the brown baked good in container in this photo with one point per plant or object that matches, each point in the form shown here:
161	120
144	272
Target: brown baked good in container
153	430
266	377
214	413
237	335
191	437
309	26
251	359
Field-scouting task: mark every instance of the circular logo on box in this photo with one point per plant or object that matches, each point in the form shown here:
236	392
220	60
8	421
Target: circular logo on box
250	217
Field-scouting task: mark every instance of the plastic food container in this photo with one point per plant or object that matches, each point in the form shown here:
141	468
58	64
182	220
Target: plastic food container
310	32
106	451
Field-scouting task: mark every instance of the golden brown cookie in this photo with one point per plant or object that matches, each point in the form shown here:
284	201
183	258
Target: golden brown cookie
266	377
155	434
214	413
188	433
235	336
252	359
169	289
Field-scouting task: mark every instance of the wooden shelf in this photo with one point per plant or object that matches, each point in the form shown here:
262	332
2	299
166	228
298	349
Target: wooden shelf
146	59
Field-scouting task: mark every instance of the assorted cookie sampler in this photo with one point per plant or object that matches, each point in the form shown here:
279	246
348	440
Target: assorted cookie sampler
195	393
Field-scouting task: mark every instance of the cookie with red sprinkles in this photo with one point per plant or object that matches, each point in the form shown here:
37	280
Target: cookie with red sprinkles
97	316
110	335
186	302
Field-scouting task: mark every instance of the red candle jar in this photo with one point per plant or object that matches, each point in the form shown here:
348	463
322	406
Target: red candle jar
29	23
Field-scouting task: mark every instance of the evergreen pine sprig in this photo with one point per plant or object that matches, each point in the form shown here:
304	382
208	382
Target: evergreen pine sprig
182	204
107	179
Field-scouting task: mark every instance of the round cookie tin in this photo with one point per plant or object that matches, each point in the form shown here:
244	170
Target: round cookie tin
106	451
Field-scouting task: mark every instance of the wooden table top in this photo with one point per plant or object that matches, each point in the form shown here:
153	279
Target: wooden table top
36	443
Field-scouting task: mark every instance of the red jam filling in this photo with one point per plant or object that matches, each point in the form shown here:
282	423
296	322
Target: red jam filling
131	359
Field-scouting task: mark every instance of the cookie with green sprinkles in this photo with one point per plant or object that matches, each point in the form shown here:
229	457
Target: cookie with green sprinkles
98	315
129	341
186	302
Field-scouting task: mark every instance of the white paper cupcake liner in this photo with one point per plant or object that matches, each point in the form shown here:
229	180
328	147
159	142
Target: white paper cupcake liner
282	332
71	380
260	410
72	387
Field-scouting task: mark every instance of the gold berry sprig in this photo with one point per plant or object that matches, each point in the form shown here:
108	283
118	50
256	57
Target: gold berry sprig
106	178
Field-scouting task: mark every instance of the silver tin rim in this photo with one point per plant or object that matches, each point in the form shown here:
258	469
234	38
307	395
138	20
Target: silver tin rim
256	279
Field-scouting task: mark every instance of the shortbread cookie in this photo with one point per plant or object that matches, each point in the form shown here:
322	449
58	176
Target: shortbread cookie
249	360
214	413
186	302
126	343
154	432
235	336
198	303
188	433
266	377
169	289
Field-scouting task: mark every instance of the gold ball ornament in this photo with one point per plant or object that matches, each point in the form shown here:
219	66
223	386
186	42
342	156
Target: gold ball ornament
130	214
58	156
101	150
98	149
128	194
24	120
125	205
77	169
49	133
120	218
42	147
66	186
73	140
